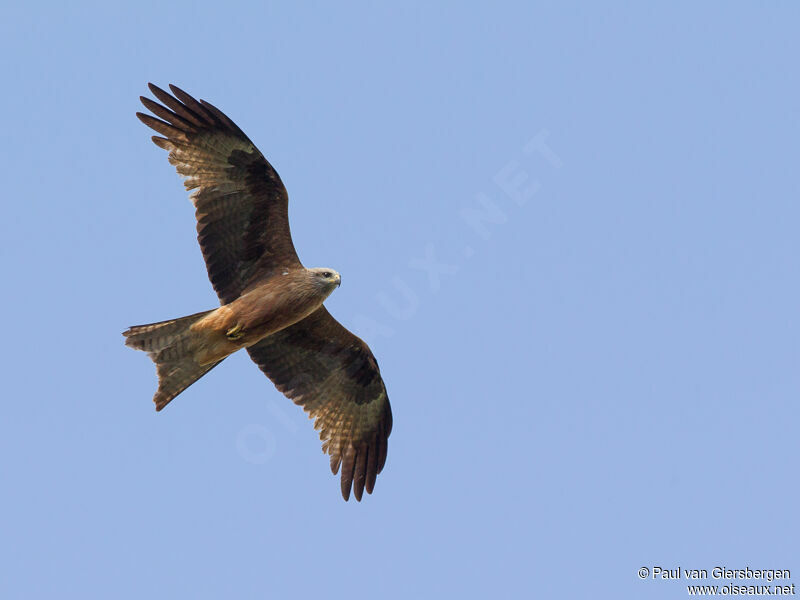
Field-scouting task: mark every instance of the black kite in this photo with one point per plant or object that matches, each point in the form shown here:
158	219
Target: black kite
270	304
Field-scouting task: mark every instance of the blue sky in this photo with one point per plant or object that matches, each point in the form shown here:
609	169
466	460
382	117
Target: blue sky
568	232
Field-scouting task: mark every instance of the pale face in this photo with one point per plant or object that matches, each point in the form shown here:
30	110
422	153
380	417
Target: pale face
327	279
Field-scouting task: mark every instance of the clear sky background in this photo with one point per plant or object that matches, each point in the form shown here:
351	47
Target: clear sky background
599	374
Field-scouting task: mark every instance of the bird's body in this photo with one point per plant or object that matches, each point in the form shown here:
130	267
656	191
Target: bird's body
271	304
262	311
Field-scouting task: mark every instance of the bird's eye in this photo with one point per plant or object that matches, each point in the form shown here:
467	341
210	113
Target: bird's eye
327	274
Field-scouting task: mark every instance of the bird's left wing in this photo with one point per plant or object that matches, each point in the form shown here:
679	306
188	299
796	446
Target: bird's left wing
333	375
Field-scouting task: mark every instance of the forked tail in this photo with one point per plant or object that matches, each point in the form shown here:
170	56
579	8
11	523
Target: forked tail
171	345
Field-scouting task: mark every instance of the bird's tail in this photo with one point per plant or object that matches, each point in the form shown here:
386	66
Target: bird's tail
172	346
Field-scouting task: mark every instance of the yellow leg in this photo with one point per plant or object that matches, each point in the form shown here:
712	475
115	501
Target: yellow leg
234	333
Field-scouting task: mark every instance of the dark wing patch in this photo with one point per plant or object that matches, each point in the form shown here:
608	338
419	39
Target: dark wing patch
333	375
240	201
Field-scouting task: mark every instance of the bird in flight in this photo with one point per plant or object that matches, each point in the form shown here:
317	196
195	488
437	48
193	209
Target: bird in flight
270	304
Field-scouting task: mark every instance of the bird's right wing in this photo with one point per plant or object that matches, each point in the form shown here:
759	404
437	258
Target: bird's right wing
240	201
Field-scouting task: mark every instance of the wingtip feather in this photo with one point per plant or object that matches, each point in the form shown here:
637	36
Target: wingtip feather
176	106
348	468
161	142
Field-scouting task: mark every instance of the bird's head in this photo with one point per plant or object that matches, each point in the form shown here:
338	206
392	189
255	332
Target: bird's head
326	279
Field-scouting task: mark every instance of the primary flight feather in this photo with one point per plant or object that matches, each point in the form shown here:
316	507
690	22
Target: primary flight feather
271	305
